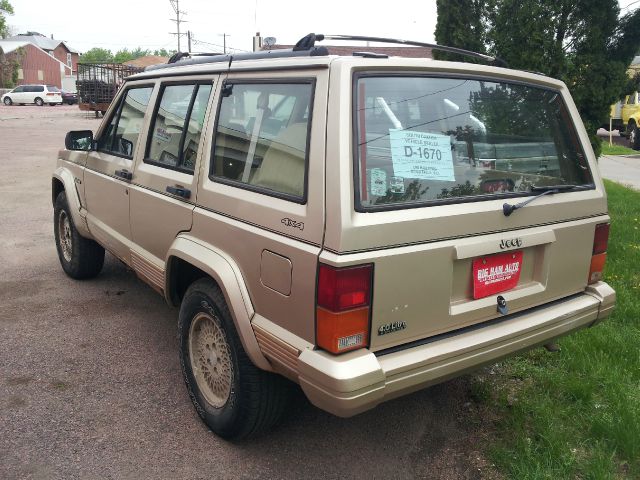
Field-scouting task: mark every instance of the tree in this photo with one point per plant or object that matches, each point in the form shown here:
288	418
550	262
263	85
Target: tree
163	52
97	55
5	9
460	25
126	55
585	43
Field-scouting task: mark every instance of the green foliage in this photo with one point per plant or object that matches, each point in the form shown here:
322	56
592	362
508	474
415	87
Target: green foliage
97	55
163	52
460	25
5	8
585	43
616	149
101	55
126	55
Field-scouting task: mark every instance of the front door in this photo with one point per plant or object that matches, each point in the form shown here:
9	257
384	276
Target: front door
109	172
163	192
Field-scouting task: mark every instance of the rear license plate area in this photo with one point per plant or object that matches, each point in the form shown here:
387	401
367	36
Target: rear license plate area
496	273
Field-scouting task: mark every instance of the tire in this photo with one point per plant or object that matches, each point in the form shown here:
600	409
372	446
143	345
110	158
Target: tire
38	101
7	101
80	257
633	135
237	400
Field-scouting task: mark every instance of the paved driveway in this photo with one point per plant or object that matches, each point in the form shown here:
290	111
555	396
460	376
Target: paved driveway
621	169
90	385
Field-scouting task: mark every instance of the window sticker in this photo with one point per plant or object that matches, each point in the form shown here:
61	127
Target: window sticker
378	179
396	185
425	156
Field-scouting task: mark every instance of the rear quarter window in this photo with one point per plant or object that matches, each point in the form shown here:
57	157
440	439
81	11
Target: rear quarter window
261	138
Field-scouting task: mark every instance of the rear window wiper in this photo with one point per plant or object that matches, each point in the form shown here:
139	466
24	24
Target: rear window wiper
508	208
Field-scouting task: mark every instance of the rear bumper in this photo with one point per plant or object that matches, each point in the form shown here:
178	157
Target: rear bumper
349	384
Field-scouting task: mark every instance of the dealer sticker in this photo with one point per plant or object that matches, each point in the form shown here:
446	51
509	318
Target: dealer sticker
425	156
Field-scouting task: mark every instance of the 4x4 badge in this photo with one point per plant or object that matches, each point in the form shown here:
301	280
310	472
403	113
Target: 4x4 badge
292	223
512	243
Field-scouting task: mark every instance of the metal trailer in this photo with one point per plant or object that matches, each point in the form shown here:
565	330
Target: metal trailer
97	84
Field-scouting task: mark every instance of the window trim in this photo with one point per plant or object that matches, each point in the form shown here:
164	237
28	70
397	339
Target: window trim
358	207
194	94
253	188
118	111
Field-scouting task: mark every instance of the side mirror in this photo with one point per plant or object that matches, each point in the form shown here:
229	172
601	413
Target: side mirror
79	140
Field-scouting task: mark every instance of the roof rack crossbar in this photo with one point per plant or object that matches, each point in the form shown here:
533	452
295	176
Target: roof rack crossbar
309	42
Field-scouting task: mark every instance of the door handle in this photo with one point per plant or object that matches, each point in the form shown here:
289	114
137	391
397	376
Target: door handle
179	191
124	174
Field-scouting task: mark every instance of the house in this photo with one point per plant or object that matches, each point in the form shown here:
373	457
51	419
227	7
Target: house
146	61
57	48
32	65
411	52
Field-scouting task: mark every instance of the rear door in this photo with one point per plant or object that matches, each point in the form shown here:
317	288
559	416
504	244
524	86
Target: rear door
163	193
109	171
423	180
17	95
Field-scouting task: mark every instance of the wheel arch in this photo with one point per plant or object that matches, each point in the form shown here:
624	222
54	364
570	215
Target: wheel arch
63	181
189	259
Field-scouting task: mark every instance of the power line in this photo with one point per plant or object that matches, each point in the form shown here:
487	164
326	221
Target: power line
197	42
176	8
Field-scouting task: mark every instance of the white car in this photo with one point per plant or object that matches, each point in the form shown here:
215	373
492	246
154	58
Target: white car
38	94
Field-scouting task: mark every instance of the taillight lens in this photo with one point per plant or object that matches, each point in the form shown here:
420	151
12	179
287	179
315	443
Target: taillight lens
601	238
342	312
599	257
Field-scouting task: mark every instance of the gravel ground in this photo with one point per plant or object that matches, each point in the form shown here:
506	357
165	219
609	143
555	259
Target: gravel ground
90	385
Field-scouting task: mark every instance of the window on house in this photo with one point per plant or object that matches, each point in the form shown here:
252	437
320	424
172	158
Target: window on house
69	61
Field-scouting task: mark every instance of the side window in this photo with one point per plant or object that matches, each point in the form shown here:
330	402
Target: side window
121	136
261	137
29	88
632	99
176	129
38	88
18	90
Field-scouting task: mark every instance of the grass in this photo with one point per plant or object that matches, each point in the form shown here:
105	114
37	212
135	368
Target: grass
576	413
617	150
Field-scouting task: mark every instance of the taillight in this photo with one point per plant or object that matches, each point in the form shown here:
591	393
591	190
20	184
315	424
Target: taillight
599	256
343	307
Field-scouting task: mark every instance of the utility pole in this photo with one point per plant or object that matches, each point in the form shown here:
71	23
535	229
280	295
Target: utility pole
176	8
189	39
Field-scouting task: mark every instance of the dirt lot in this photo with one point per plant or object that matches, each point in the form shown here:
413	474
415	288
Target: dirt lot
89	380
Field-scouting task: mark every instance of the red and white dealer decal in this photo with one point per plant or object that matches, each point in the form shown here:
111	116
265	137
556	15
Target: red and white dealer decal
496	273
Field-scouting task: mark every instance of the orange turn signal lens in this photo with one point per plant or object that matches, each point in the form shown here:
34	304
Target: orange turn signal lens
597	267
339	332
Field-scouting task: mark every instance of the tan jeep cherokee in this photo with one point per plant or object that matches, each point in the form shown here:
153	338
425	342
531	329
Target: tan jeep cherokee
363	225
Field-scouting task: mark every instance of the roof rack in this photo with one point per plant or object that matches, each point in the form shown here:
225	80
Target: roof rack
309	42
182	58
306	47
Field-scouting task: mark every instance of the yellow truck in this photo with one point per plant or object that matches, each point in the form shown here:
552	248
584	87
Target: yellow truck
625	117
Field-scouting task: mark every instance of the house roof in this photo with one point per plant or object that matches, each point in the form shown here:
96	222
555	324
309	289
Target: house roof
147	61
8	46
45	43
410	52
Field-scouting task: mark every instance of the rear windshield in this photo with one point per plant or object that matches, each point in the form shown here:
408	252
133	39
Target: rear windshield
442	140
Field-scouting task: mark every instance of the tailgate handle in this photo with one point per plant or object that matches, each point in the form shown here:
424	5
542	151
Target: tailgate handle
179	191
124	174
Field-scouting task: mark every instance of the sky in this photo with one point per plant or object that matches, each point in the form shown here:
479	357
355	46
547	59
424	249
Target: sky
118	24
